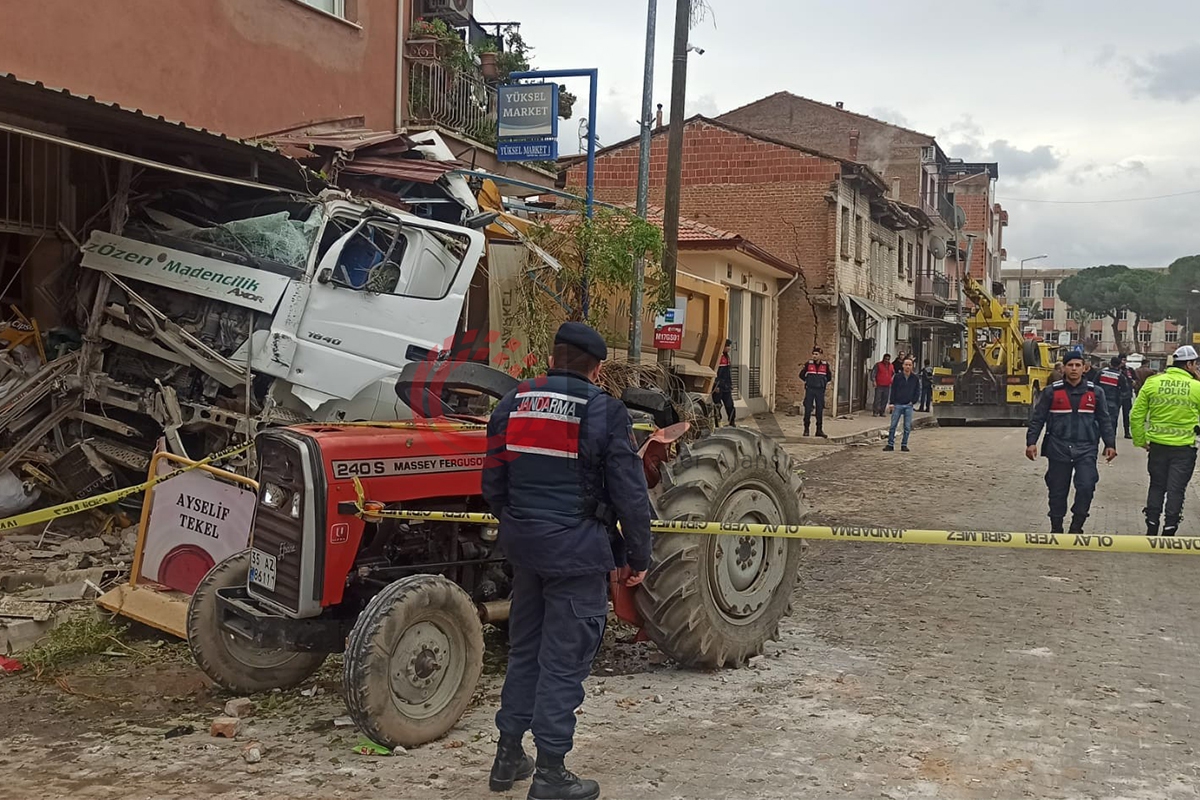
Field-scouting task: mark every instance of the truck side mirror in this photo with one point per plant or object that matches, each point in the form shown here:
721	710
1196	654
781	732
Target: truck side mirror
325	276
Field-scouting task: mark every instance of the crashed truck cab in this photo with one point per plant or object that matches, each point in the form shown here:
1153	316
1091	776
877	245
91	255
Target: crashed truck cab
326	299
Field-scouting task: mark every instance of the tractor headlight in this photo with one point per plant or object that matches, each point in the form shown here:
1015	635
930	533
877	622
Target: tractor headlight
274	496
296	505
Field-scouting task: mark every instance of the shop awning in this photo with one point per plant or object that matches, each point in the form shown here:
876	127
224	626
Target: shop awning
872	308
920	321
850	317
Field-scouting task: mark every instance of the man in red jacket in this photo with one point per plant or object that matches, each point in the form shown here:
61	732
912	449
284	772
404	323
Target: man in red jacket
882	375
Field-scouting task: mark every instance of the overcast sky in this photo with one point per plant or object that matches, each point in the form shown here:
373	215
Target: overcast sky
1076	99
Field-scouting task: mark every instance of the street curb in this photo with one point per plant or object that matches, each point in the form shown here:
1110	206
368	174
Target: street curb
861	436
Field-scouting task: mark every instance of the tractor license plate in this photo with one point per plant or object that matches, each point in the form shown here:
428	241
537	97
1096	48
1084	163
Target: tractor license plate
262	569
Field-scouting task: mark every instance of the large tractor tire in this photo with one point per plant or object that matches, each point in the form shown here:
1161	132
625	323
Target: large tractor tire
228	659
714	601
413	661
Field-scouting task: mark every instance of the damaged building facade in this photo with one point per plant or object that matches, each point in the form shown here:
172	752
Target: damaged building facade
857	248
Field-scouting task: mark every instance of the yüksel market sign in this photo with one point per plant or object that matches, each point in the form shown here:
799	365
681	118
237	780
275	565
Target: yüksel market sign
528	114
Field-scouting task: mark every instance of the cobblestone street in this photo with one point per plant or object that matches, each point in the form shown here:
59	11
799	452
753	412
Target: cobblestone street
906	671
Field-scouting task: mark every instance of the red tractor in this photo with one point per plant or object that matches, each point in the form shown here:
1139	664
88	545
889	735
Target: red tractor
406	601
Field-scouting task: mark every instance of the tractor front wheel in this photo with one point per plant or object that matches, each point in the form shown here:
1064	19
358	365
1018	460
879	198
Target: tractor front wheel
413	661
714	601
229	659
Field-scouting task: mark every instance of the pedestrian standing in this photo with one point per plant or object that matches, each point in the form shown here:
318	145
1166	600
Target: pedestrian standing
559	482
1074	414
817	376
1165	418
723	387
926	386
881	375
1111	382
906	391
1127	391
1056	374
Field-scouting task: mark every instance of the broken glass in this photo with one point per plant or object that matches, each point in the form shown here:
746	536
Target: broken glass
276	237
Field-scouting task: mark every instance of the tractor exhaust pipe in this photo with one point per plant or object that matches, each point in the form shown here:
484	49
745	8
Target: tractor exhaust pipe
494	611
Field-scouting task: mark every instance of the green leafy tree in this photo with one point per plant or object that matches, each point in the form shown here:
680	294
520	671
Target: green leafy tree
1175	290
1108	290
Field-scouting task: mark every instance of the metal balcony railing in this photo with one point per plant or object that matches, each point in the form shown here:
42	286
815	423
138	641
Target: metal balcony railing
451	99
936	287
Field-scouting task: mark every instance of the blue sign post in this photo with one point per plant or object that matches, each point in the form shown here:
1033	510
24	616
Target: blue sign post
593	78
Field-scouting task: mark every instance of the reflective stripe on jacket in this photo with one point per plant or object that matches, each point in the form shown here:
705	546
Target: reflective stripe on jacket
1075	418
1167	409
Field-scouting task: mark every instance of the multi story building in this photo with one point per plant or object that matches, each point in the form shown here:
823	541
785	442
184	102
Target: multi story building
1054	321
983	219
859	250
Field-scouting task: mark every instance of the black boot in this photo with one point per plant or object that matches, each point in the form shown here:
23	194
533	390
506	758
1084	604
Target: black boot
821	434
1170	527
806	431
553	781
1056	524
1077	523
511	764
1152	527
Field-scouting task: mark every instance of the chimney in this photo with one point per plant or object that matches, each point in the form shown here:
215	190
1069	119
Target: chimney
658	118
854	145
838	104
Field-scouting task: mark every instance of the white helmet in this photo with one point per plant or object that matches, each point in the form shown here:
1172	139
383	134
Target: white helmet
1185	353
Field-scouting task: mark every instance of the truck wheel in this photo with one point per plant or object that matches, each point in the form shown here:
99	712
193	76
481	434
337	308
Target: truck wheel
712	601
413	661
228	659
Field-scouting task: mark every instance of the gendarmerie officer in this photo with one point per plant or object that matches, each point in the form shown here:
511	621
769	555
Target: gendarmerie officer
1074	413
723	386
817	375
562	469
1115	385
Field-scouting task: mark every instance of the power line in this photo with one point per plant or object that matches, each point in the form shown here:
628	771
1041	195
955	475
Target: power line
1100	202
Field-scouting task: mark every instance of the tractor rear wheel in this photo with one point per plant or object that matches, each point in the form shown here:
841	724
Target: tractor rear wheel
412	661
228	659
714	601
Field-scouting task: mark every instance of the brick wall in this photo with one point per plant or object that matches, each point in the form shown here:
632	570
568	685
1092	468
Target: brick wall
891	151
774	196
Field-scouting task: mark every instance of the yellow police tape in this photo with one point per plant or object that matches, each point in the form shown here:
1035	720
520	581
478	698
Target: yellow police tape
1102	543
76	506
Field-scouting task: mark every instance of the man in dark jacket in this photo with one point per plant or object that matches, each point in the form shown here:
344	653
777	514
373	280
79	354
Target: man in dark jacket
926	387
905	392
817	375
1127	391
562	468
1074	413
723	387
1114	383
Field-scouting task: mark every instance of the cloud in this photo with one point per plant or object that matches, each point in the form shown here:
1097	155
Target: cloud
705	105
1173	75
965	139
889	115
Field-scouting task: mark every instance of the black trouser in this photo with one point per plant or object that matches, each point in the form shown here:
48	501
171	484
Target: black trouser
724	397
1058	481
1170	468
926	396
814	400
555	626
1126	407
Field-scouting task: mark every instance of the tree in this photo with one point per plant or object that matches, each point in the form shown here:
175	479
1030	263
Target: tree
1175	290
1108	290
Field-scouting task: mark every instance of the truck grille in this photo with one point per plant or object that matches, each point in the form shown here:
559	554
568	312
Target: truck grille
276	532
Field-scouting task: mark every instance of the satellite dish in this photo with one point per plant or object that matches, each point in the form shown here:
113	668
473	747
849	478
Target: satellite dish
937	247
960	217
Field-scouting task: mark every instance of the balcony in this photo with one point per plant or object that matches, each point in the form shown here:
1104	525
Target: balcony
452	100
933	289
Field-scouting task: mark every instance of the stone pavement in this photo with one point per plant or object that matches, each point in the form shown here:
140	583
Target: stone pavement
848	429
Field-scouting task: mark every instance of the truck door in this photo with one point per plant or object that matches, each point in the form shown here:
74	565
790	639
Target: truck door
384	293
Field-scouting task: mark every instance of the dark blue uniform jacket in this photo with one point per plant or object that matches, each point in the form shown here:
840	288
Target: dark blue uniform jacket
1076	418
562	468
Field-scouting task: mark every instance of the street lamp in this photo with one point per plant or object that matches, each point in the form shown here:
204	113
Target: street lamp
1021	280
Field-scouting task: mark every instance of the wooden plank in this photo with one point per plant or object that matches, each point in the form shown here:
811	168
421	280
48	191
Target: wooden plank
166	611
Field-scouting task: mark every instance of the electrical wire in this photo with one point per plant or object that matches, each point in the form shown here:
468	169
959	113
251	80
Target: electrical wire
1100	202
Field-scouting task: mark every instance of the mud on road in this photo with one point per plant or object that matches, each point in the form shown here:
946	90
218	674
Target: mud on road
905	672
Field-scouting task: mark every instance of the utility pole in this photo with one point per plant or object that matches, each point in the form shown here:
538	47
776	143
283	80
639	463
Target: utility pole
683	18
643	190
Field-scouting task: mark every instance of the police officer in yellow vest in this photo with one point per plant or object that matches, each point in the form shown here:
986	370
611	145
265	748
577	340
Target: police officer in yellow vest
1165	418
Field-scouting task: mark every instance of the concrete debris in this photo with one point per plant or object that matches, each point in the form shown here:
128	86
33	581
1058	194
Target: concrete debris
241	707
253	753
226	727
38	612
343	722
89	546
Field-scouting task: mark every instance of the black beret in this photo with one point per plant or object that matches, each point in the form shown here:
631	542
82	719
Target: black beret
583	338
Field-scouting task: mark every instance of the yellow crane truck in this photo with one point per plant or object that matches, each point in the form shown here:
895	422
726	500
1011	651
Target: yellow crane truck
1003	372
